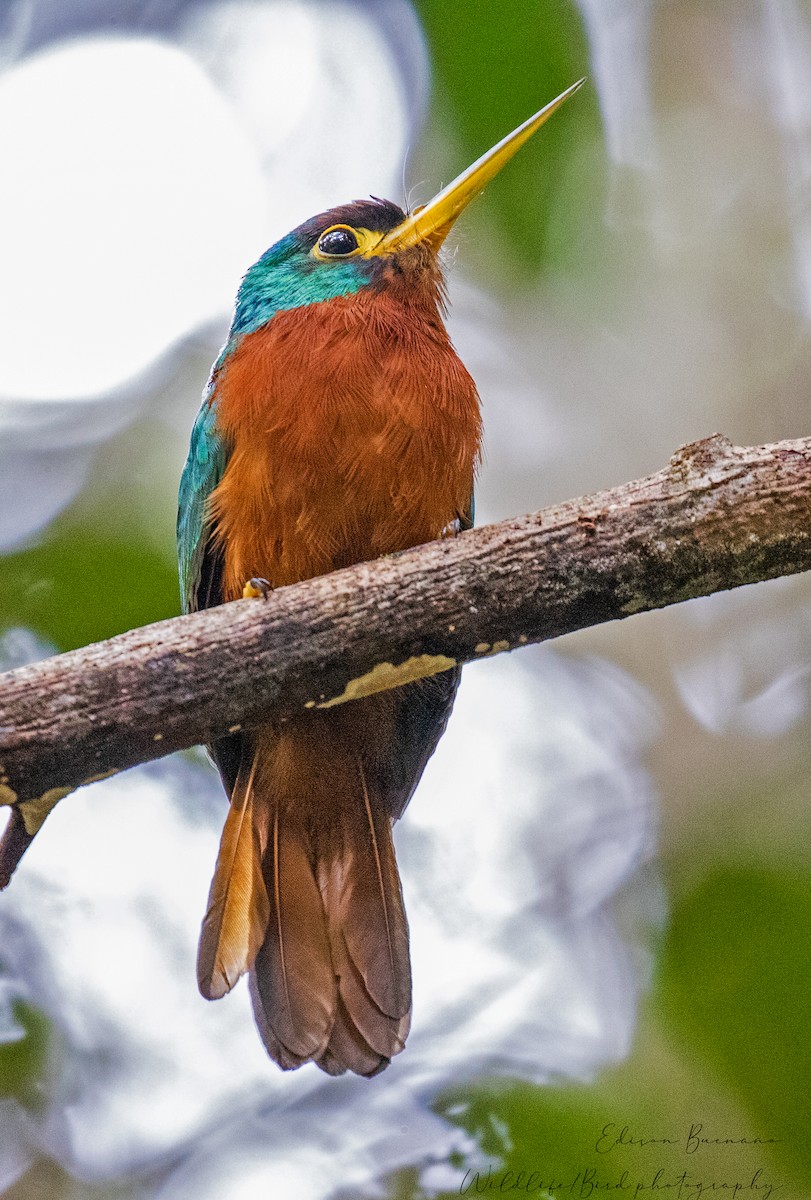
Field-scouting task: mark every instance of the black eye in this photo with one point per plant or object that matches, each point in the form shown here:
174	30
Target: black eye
338	241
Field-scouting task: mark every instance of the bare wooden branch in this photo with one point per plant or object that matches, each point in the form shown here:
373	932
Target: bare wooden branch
717	517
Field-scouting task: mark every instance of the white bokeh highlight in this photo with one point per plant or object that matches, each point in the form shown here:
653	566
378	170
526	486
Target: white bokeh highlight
752	679
133	192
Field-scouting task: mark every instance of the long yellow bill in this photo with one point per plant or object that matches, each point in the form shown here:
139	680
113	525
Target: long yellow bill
432	222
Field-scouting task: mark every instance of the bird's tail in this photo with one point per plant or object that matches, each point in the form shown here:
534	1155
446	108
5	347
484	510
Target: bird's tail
306	896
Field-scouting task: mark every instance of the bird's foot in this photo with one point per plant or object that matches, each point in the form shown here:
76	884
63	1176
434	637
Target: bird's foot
257	589
452	529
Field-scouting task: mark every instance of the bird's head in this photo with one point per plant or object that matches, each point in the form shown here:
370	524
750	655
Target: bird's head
371	243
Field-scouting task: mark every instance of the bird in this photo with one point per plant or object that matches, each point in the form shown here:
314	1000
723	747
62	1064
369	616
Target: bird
338	425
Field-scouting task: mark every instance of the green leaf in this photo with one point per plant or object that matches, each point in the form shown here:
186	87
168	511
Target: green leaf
736	985
23	1062
81	584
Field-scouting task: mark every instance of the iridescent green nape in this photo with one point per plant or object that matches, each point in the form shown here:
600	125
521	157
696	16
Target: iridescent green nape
286	277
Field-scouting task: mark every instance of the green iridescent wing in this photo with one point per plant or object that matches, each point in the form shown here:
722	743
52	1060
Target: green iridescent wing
205	466
199	559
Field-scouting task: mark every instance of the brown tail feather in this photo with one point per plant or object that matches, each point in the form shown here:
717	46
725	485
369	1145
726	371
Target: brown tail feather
277	1051
294	979
361	1028
368	936
368	906
234	925
348	1051
307	897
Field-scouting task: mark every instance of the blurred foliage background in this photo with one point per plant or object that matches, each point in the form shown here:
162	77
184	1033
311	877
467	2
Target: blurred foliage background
640	279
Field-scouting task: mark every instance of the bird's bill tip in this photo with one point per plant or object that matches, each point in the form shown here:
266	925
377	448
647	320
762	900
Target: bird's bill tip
430	223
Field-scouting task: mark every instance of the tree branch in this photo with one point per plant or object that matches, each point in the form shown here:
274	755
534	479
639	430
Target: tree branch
717	517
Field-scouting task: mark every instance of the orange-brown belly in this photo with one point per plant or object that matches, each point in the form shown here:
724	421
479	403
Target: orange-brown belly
359	451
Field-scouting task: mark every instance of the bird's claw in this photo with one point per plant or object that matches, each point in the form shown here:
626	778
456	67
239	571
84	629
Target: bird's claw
257	589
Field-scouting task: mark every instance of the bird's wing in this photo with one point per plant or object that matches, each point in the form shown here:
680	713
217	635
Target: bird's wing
198	560
198	556
422	713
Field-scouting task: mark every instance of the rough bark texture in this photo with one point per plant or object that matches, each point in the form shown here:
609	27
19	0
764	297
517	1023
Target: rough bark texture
717	517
